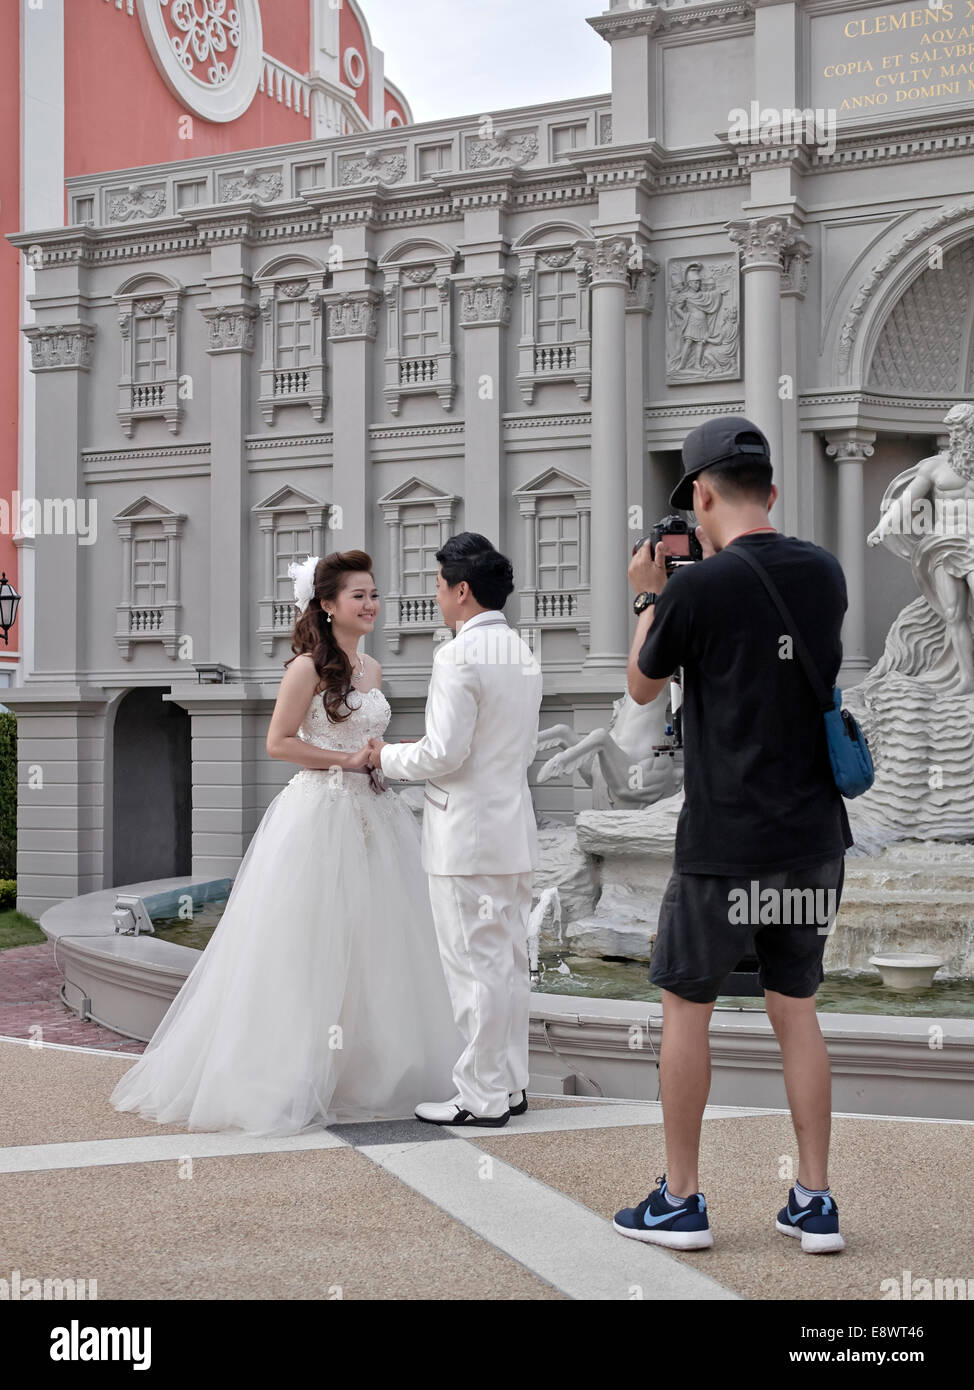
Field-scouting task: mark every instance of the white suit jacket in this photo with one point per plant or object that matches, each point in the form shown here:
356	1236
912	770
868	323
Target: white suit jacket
481	738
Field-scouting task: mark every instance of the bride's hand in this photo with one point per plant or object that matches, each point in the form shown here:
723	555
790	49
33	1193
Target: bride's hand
359	759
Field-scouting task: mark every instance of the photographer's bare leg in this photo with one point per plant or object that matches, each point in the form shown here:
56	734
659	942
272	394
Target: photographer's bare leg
684	1069
808	1083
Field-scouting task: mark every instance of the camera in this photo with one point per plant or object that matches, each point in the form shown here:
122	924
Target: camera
679	541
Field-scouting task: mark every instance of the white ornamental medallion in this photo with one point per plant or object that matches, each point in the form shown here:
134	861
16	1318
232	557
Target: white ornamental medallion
209	52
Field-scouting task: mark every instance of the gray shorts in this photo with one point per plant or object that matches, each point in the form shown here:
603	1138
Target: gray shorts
708	923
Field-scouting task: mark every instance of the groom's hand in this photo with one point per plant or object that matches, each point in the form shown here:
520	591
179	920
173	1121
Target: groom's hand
376	746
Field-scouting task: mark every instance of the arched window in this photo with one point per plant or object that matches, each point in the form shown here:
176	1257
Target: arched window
556	336
148	319
419	343
292	362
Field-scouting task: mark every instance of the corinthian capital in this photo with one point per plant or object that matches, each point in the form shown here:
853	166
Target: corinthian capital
794	274
604	263
762	240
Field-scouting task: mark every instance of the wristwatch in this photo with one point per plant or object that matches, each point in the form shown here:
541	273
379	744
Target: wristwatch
643	601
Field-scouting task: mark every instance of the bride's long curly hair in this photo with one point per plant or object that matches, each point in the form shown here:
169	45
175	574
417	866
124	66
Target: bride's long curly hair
313	632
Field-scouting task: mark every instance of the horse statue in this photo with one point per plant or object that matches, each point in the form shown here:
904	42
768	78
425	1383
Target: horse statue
620	757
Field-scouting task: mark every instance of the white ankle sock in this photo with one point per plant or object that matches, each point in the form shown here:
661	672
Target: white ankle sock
803	1195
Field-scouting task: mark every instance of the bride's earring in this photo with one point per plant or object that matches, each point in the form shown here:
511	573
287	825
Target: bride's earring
327	616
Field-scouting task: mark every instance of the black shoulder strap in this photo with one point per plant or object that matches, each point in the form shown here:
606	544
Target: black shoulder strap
823	696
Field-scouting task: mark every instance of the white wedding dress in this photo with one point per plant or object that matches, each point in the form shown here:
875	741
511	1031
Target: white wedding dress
320	996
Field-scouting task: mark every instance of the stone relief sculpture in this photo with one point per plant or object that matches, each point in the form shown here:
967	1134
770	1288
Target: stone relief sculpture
702	320
618	763
502	149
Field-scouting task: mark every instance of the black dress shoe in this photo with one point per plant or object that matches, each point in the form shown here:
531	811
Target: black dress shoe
522	1104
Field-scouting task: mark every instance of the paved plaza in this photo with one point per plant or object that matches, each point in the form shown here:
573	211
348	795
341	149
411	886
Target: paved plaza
404	1210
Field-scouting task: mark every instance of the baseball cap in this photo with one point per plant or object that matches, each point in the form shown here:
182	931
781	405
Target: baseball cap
730	440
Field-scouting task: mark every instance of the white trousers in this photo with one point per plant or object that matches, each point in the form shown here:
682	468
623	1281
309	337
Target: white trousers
482	928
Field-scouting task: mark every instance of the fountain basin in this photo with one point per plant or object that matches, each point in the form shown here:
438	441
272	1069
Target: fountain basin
882	1064
907	969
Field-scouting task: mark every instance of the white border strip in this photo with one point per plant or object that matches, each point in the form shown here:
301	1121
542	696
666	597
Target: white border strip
72	1047
157	1148
555	1238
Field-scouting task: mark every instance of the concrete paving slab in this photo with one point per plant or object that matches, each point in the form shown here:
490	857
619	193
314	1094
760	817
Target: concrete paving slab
903	1192
310	1226
547	1231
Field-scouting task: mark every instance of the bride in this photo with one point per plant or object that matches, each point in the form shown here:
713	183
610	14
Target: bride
320	996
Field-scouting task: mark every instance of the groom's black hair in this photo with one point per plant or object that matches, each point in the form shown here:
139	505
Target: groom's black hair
471	557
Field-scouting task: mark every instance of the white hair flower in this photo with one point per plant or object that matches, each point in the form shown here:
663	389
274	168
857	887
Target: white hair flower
304	581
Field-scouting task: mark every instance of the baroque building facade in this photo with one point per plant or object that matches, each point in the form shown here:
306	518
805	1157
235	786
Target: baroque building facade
505	323
173	79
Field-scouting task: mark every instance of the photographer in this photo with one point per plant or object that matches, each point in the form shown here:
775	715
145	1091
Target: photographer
761	807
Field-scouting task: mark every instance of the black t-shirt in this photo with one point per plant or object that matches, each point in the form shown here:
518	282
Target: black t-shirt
759	790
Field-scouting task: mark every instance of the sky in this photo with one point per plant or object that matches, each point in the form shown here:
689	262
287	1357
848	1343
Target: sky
473	57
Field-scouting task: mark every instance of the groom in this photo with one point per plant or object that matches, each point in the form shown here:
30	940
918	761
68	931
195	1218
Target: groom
479	836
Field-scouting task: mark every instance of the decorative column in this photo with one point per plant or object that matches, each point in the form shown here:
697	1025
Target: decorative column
225	795
606	268
762	240
850	448
794	284
230	341
61	722
639	306
485	313
353	320
60	360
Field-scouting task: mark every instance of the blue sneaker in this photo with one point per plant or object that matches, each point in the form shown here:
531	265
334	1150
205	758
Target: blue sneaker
817	1224
682	1228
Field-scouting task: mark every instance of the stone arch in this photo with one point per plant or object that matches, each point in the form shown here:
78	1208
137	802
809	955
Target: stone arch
417	249
881	278
554	233
149	282
290	266
926	343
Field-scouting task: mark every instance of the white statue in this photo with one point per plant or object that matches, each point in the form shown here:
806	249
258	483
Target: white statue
926	518
633	775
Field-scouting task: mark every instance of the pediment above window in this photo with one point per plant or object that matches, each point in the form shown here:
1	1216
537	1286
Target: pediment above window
554	482
146	508
415	490
288	499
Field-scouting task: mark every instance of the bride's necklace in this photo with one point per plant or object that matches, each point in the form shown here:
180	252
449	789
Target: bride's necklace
357	675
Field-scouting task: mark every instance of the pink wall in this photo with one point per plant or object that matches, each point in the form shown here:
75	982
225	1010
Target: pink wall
120	113
393	105
351	35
